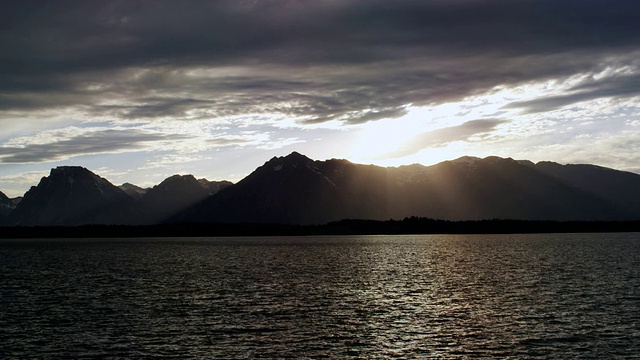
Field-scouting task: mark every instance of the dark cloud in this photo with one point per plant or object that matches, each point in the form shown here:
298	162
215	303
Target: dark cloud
352	60
93	142
156	107
618	87
444	136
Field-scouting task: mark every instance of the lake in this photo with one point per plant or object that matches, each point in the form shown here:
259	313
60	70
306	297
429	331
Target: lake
450	296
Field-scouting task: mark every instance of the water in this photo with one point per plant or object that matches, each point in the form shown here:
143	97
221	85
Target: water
558	296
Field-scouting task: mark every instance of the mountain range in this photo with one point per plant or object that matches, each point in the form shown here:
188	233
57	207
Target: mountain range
297	190
73	195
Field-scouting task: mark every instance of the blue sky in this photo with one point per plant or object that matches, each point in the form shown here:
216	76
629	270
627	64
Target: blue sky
137	91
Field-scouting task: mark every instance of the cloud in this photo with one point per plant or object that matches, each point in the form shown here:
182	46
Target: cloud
169	138
618	87
261	140
89	142
13	185
226	141
352	61
161	161
619	151
444	136
160	107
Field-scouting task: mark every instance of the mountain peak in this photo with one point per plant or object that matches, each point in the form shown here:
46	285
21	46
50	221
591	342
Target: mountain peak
171	196
494	159
76	173
292	160
467	160
3	197
68	170
71	195
295	156
180	178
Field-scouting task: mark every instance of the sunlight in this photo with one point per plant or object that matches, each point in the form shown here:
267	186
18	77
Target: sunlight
378	140
381	137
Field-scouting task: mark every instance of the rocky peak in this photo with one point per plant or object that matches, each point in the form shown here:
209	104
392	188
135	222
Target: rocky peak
71	195
74	176
294	160
71	172
178	183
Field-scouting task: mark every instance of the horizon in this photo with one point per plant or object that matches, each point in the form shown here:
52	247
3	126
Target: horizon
199	177
148	186
138	91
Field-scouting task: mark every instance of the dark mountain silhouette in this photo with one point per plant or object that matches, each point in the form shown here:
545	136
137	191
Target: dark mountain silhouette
504	188
171	196
619	187
214	186
134	191
290	189
71	195
6	206
297	190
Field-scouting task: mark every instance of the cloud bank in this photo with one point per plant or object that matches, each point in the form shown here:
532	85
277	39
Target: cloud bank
317	61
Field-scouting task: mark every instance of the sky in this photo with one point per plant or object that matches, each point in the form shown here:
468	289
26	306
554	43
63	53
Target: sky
137	91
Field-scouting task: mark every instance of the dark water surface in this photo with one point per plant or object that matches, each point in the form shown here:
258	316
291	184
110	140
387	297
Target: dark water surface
558	295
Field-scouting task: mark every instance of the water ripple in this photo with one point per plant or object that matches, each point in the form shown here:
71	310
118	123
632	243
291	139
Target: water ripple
533	296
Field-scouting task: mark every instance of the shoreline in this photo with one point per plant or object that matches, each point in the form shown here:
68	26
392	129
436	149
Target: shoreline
407	226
